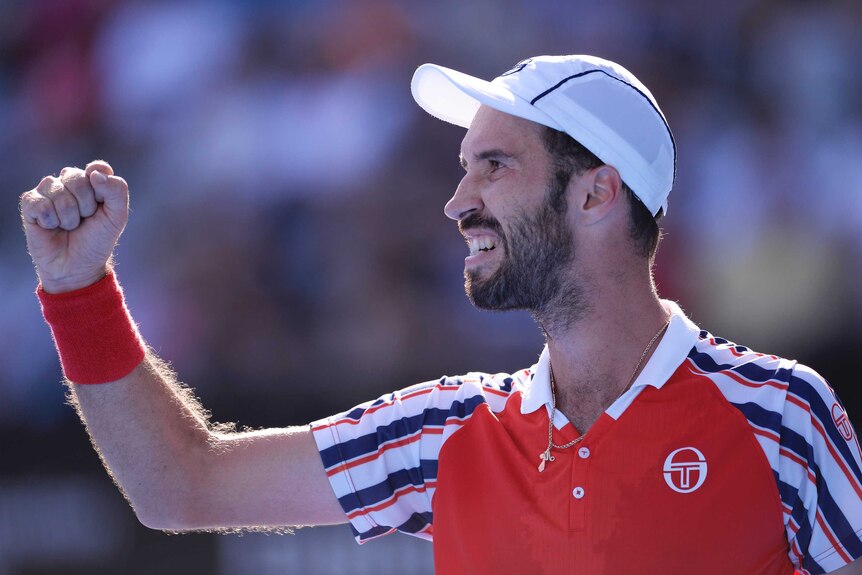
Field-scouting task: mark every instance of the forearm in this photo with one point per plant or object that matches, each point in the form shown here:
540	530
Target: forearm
150	432
152	437
181	474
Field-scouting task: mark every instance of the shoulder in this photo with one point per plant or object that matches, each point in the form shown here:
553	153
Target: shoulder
716	356
754	381
436	399
464	392
497	384
806	437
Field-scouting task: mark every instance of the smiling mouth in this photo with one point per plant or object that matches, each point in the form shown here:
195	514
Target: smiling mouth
480	244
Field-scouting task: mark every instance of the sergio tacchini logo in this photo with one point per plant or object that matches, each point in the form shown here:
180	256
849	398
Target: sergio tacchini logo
685	469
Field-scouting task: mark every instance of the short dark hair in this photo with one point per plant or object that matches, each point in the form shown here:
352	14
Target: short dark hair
569	156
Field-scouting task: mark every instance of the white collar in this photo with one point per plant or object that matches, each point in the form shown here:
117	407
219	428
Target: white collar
671	351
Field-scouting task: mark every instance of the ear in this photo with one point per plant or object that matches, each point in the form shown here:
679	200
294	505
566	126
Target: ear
602	191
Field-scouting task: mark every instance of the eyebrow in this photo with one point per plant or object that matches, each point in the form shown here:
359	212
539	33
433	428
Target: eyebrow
494	154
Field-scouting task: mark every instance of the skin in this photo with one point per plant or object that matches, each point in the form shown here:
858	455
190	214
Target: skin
622	303
617	305
177	471
535	251
181	473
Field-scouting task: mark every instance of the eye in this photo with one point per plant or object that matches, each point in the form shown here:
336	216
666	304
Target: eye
494	164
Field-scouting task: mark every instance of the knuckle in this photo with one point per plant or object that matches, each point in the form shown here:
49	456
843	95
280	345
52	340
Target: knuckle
65	202
28	206
78	185
46	215
70	175
32	200
31	197
57	189
61	202
44	205
45	183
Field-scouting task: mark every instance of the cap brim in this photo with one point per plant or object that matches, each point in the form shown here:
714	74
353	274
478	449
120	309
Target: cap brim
455	97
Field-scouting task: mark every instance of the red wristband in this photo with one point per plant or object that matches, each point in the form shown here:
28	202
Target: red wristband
95	336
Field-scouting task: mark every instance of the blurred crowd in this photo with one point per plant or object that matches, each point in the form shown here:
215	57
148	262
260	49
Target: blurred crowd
287	251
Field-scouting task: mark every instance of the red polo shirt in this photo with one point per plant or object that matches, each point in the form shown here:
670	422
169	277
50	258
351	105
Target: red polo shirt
717	460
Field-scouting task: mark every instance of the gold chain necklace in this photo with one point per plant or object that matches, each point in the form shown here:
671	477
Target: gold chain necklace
546	456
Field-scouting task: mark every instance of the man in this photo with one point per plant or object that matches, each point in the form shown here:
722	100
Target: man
637	443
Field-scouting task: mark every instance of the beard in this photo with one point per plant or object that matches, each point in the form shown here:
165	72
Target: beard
533	275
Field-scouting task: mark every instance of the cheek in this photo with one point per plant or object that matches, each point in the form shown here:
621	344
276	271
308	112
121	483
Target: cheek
512	203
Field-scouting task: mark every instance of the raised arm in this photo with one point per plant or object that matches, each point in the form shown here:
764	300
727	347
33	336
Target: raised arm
178	471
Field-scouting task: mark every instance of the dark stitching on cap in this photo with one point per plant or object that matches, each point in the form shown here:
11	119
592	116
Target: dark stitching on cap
644	96
563	81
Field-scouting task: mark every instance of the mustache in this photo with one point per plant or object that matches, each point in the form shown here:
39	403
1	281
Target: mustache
479	221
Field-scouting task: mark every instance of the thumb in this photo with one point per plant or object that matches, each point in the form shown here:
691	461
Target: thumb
112	192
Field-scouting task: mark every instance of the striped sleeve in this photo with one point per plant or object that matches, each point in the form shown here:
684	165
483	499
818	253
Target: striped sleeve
381	456
820	479
807	438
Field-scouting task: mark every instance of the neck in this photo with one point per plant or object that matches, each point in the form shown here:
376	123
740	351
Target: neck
595	353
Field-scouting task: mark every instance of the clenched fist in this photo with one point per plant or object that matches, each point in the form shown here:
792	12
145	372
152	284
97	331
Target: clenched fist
72	224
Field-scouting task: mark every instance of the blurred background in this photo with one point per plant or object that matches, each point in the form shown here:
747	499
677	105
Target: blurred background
287	250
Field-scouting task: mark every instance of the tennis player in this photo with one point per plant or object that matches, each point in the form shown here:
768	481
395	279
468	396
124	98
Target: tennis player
637	443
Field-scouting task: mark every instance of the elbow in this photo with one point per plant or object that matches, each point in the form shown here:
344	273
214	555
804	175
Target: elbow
163	513
179	496
155	521
172	503
161	519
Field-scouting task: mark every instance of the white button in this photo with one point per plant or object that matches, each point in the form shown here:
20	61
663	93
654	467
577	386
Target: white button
578	492
584	452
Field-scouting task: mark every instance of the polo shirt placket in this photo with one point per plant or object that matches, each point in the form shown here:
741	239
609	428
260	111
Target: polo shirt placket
578	478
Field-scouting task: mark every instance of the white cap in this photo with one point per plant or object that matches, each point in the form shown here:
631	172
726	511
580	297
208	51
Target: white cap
597	102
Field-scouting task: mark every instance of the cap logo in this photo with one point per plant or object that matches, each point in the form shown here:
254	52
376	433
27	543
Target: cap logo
517	67
685	469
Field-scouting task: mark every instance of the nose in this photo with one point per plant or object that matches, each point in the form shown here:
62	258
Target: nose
464	202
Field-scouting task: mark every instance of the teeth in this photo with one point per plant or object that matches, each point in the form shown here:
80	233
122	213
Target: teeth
480	243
